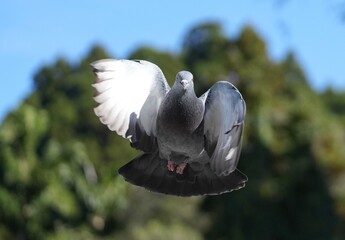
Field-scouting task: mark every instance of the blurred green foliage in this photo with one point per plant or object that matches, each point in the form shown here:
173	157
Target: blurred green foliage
58	164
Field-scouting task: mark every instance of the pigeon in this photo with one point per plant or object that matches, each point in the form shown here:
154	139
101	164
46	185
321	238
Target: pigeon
189	145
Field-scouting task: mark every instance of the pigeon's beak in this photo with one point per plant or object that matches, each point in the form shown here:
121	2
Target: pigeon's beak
184	84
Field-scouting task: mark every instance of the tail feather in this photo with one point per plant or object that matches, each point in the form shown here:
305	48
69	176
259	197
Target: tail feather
150	171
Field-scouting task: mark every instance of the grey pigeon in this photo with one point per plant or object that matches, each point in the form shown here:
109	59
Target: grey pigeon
190	145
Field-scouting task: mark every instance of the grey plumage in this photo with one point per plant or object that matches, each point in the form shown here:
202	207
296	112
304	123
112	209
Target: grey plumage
191	146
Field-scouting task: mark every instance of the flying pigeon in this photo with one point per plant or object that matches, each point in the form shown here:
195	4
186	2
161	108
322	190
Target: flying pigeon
190	145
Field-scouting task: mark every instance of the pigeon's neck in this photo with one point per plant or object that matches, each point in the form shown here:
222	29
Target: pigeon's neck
182	110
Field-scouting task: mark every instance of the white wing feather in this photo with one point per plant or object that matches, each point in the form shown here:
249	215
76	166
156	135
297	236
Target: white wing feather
125	87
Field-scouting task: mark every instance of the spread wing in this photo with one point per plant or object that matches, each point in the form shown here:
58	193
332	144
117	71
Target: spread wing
225	110
129	94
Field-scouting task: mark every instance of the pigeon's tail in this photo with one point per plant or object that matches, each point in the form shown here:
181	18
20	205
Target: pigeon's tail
150	171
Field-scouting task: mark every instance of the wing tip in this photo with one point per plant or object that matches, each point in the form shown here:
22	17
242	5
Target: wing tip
102	64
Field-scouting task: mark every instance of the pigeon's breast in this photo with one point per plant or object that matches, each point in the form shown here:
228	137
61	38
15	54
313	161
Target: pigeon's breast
179	132
180	113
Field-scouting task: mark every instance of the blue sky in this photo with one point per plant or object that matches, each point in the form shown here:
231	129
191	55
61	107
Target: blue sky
36	32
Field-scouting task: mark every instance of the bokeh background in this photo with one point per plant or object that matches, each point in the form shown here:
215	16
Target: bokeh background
58	163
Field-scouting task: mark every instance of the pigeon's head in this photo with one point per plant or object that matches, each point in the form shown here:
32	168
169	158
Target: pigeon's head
184	80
